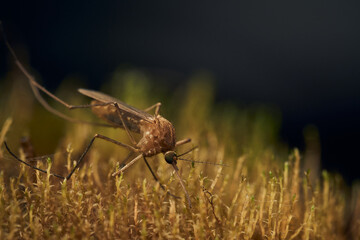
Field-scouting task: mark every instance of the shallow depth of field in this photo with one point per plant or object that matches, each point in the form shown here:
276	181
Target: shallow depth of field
264	191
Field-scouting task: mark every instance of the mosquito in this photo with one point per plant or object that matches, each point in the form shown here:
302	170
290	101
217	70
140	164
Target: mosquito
157	133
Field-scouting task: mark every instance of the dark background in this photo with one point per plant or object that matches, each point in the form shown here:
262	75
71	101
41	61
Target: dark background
302	56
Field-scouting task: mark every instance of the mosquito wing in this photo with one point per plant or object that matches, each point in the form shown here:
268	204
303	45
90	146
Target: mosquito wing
130	115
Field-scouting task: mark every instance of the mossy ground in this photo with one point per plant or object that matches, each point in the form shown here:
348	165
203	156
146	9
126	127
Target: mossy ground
264	192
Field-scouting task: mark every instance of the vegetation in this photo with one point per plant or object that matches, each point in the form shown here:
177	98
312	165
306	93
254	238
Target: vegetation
263	192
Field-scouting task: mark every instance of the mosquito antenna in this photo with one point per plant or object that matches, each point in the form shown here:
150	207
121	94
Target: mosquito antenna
35	86
188	151
211	163
27	164
181	182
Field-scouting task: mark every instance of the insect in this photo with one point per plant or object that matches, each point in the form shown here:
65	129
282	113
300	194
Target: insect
157	133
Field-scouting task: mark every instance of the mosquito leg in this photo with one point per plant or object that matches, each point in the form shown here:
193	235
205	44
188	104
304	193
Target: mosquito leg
127	165
90	144
29	165
153	174
123	163
156	106
131	148
123	123
183	141
156	179
32	81
35	86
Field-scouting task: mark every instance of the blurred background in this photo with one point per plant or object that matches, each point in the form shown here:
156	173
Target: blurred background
301	59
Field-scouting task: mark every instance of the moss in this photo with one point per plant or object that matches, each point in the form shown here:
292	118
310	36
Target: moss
264	194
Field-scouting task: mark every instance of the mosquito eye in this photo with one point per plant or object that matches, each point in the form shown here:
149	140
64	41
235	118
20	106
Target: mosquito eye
170	157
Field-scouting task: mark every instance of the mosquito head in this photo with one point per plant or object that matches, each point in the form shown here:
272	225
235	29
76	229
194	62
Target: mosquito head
170	157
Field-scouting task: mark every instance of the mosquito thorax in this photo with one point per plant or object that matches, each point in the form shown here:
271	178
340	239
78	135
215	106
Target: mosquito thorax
170	157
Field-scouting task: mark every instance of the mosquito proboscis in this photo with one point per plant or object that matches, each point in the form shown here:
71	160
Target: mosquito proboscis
157	133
